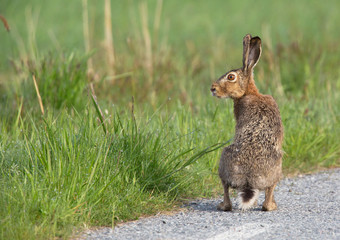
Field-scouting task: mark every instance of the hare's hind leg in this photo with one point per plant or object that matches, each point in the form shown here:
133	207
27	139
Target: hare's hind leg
269	203
226	204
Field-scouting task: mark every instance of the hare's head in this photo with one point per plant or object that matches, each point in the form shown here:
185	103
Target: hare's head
236	83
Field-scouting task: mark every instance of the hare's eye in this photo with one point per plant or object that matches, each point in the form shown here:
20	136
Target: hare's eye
231	77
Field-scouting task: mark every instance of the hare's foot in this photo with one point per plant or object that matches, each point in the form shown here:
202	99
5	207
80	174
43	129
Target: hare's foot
222	206
269	203
226	204
269	206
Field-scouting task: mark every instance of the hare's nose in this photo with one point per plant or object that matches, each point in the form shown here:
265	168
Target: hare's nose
212	89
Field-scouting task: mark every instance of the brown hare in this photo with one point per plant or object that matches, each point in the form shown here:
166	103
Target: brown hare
254	161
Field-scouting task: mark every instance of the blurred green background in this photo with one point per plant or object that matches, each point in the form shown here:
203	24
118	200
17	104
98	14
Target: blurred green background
190	42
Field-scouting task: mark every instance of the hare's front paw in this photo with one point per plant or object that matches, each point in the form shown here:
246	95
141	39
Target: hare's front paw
269	206
224	207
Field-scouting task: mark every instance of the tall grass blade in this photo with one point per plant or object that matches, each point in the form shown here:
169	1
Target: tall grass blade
99	111
4	21
109	47
39	97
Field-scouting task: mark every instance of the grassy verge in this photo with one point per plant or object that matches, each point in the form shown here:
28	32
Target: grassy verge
153	136
61	170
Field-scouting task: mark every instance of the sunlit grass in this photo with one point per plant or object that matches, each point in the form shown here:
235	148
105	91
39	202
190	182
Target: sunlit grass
64	169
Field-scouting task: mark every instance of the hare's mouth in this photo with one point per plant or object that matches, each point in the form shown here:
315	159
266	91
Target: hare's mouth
213	91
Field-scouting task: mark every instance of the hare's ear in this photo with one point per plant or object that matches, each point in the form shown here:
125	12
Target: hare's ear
251	52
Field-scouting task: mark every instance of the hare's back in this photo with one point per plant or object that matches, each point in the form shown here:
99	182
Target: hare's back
259	128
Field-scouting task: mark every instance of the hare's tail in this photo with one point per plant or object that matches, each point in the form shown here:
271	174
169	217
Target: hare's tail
247	198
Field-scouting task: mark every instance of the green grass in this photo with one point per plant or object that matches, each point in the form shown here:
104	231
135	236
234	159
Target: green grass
160	134
64	169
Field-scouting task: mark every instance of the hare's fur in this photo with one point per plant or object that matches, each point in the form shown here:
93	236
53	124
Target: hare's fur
254	161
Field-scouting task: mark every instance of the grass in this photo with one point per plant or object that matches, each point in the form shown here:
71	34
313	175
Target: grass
65	169
129	127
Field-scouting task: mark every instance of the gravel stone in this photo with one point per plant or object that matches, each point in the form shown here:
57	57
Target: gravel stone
308	208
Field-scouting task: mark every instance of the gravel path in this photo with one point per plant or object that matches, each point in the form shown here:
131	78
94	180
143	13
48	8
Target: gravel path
308	208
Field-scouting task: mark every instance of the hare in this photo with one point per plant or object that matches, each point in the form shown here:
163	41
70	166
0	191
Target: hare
254	161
